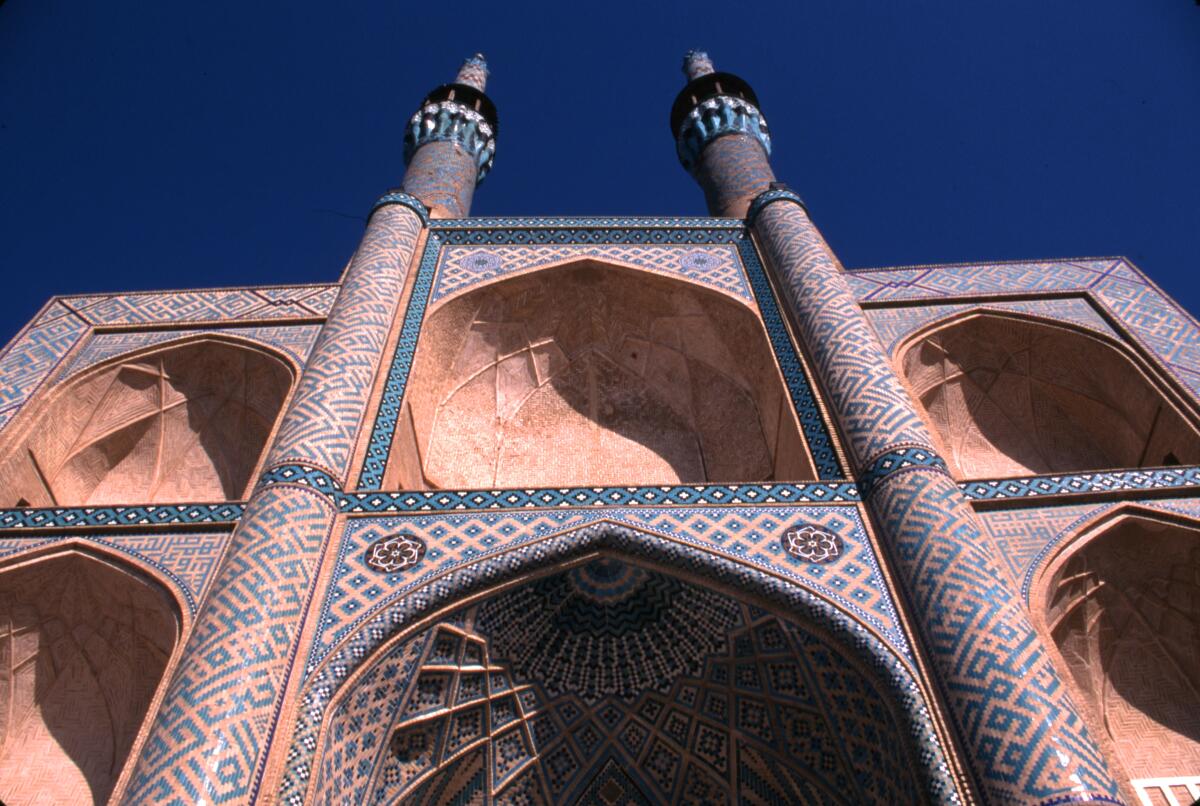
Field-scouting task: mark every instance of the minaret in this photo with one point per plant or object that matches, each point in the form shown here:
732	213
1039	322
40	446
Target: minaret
721	137
234	687
1023	739
450	142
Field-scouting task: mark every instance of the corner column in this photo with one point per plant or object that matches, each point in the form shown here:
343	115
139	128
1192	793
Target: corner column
1024	740
210	737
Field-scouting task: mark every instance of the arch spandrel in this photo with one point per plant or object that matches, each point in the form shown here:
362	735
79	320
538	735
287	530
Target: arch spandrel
328	673
631	376
184	421
688	693
1119	600
87	639
1008	394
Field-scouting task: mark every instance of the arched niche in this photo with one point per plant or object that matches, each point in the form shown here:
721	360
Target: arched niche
1122	606
591	374
611	682
84	642
187	422
1009	396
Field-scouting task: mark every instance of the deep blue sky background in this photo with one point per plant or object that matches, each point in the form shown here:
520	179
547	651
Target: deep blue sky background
165	145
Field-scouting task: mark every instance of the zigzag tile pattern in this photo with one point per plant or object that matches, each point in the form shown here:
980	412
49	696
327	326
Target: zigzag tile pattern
189	559
715	266
431	594
1112	285
1026	742
294	341
357	593
893	325
215	723
326	410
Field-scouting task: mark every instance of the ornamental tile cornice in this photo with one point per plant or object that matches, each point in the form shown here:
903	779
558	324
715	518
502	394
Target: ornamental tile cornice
450	121
716	117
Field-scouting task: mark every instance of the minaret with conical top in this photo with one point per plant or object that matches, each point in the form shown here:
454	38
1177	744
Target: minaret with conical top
1008	708
450	142
234	687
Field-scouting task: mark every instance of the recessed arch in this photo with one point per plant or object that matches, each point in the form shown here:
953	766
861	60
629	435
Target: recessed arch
607	674
185	421
86	639
594	374
1010	394
339	671
1120	602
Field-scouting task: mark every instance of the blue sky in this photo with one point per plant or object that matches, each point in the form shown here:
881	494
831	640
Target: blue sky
168	145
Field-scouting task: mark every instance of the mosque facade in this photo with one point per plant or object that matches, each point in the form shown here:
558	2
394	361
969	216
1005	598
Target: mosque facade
621	510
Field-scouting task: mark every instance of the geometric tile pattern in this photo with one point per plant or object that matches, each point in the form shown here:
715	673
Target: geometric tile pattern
33	353
591	237
871	404
462	267
357	593
1113	286
893	325
1025	537
37	350
769	710
215	723
188	559
1025	741
693	556
327	408
295	341
1167	478
213	730
148	515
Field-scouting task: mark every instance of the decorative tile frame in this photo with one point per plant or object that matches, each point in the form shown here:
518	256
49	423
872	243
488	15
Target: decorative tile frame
57	333
188	560
1124	297
596	234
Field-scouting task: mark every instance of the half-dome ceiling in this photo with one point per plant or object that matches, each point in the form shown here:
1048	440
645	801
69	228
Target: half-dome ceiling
1009	397
594	375
186	423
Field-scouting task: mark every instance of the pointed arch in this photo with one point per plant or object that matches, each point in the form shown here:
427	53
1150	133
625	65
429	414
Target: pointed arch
85	641
187	420
471	587
1119	599
589	373
1010	394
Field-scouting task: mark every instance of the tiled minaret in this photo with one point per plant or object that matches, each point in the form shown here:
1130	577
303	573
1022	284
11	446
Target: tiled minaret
451	141
224	705
1007	705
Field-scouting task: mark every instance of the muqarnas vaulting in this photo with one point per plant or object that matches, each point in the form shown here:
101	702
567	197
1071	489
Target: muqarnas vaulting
605	511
